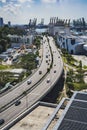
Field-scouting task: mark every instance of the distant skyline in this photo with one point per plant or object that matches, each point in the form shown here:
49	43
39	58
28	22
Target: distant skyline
20	11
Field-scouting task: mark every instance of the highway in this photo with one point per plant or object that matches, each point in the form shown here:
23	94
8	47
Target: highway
39	91
35	77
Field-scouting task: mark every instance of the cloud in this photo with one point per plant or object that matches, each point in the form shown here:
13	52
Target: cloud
11	8
14	6
22	1
28	6
16	1
49	1
3	1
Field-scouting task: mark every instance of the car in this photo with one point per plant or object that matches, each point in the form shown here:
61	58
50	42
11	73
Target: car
46	56
14	60
5	59
46	61
54	71
18	102
29	81
48	80
2	121
10	59
40	72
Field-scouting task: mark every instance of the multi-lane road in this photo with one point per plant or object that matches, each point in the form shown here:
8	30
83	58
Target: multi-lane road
41	88
35	78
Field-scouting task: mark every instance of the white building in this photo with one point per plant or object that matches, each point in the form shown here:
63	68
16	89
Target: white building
54	29
17	41
56	25
73	44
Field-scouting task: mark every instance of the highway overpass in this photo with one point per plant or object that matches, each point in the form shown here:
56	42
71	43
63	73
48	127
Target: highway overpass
7	98
41	89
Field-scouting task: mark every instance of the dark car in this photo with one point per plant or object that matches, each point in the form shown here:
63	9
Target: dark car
54	71
40	72
18	102
1	121
46	56
46	61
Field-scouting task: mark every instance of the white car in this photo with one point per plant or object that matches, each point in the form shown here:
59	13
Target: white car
48	80
29	81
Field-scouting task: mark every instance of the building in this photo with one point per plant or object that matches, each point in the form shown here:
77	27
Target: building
1	22
9	24
74	117
57	25
17	41
74	44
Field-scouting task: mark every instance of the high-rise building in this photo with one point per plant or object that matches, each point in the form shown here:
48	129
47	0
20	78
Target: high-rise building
1	22
9	23
42	21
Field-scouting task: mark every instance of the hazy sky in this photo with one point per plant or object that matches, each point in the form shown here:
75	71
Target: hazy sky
20	11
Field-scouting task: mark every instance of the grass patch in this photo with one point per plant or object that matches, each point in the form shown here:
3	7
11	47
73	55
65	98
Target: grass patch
75	86
2	67
79	86
85	67
69	59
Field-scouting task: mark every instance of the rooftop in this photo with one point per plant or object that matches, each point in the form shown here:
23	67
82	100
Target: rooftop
75	114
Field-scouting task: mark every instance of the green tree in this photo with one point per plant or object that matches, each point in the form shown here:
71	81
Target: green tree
28	62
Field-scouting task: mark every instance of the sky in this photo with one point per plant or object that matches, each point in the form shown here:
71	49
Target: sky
20	11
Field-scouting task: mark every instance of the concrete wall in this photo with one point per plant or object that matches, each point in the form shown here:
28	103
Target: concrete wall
53	94
20	117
